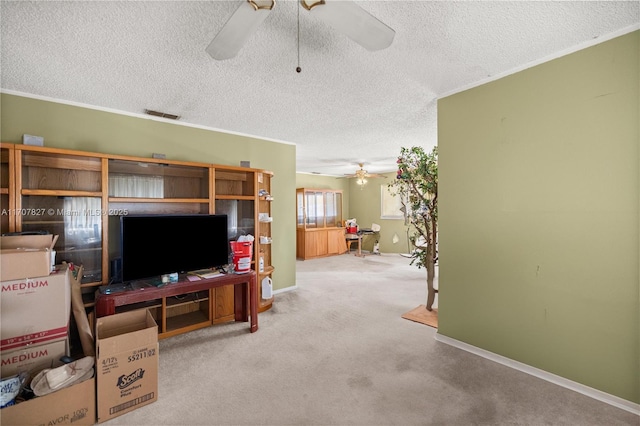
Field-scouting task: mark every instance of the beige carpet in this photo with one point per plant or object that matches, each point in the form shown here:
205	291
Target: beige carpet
337	351
421	315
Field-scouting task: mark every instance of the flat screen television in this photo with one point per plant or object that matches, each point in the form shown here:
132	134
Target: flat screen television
153	245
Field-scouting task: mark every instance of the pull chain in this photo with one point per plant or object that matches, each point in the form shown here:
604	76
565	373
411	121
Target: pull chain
298	69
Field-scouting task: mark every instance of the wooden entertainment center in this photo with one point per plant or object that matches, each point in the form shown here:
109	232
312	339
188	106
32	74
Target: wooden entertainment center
80	196
186	305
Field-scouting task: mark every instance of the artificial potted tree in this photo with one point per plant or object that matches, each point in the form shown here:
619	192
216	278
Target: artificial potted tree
417	186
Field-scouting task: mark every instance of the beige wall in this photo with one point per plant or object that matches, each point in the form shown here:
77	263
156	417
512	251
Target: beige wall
72	127
539	217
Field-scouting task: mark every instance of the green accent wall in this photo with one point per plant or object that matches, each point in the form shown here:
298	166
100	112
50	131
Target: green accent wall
539	216
310	180
366	209
87	129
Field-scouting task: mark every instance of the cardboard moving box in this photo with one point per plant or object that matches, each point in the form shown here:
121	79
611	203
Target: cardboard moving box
25	256
126	362
23	263
73	405
33	358
35	310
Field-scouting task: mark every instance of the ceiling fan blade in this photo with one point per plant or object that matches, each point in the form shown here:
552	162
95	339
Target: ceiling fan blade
353	21
240	26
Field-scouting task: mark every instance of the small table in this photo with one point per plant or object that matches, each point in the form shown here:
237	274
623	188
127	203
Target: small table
355	237
244	285
364	232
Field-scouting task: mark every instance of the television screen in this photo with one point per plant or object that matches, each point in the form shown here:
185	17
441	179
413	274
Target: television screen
153	245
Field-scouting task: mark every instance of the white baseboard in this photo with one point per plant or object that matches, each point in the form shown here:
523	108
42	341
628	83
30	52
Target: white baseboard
284	290
544	375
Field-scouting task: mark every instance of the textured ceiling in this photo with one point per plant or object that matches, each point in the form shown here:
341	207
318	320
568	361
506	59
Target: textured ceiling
348	105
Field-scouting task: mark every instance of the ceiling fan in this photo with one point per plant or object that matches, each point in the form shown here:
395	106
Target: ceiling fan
344	16
361	175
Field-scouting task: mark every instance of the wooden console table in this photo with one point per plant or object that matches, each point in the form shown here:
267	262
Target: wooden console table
186	305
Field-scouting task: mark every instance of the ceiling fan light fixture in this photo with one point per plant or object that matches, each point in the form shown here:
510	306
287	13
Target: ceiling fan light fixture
361	175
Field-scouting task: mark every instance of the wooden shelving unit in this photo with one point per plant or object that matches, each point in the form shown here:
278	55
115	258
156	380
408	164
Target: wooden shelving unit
319	230
7	189
79	196
265	267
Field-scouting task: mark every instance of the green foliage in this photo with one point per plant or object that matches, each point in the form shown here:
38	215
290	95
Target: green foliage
417	186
